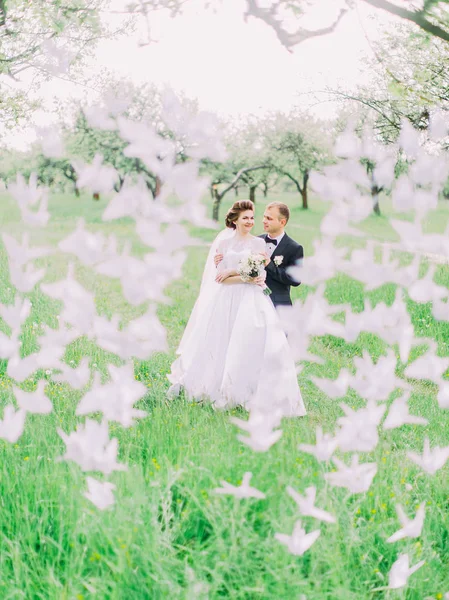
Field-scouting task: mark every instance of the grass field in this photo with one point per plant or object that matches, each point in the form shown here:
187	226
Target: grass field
56	546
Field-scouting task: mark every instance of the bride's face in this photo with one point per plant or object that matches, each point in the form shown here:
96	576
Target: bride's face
245	222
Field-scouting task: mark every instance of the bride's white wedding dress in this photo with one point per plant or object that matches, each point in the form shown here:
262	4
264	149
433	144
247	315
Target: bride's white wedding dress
234	351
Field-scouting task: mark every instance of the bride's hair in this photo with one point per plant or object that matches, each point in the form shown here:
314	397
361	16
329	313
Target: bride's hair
234	212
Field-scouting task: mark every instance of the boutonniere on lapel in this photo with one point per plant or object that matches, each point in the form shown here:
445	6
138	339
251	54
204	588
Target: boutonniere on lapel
278	260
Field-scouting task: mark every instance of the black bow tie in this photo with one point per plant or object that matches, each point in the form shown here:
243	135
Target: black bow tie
270	241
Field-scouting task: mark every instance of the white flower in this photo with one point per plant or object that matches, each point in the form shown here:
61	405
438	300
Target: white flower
278	260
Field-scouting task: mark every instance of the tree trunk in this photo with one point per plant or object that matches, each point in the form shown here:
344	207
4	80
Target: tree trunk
157	188
96	196
265	190
252	193
211	189
236	190
77	192
216	206
375	196
304	191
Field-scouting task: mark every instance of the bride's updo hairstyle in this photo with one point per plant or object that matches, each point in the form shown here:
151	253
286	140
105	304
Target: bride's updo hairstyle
234	212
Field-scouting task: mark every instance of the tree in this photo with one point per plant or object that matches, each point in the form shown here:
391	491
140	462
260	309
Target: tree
432	17
49	37
45	37
296	146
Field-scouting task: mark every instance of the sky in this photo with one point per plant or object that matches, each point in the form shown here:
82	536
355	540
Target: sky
231	66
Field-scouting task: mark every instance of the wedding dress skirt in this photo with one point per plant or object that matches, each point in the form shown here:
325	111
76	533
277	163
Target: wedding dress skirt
234	351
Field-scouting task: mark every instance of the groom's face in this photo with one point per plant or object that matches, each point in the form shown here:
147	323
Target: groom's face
273	224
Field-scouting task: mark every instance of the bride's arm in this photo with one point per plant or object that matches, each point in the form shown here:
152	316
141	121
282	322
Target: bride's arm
222	272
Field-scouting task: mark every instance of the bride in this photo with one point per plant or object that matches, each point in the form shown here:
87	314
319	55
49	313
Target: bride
234	351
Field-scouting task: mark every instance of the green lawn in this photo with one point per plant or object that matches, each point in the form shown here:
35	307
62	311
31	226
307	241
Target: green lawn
56	545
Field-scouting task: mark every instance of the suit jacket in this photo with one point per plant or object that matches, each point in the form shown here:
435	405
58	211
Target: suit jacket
278	280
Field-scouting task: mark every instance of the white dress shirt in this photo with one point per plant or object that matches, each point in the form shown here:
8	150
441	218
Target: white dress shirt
271	247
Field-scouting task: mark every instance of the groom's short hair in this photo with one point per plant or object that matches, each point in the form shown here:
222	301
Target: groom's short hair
282	208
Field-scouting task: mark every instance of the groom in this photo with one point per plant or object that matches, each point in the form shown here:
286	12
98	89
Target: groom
282	252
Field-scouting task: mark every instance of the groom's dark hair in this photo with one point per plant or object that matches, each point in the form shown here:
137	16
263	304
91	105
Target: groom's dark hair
283	209
234	212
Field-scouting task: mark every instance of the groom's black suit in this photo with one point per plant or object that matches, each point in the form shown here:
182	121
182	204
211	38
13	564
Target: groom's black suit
278	280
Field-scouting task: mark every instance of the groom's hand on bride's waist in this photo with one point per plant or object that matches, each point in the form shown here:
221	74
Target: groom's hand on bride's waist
217	259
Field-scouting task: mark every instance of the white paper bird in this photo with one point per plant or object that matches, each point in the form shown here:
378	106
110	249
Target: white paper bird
438	125
98	117
20	254
16	314
321	266
391	323
426	290
411	528
116	398
334	388
100	493
97	178
443	395
261	427
24	279
26	194
51	142
34	402
357	478
358	429
377	381
429	366
324	448
77	377
11	426
401	571
306	505
199	131
398	414
244	490
432	459
130	201
299	541
90	447
145	143
88	247
10	346
409	139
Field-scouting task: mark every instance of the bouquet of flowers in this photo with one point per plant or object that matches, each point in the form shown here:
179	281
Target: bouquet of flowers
253	266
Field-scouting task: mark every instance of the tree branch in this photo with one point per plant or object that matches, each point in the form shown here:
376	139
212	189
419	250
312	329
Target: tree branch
288	39
238	176
2	13
418	18
295	181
